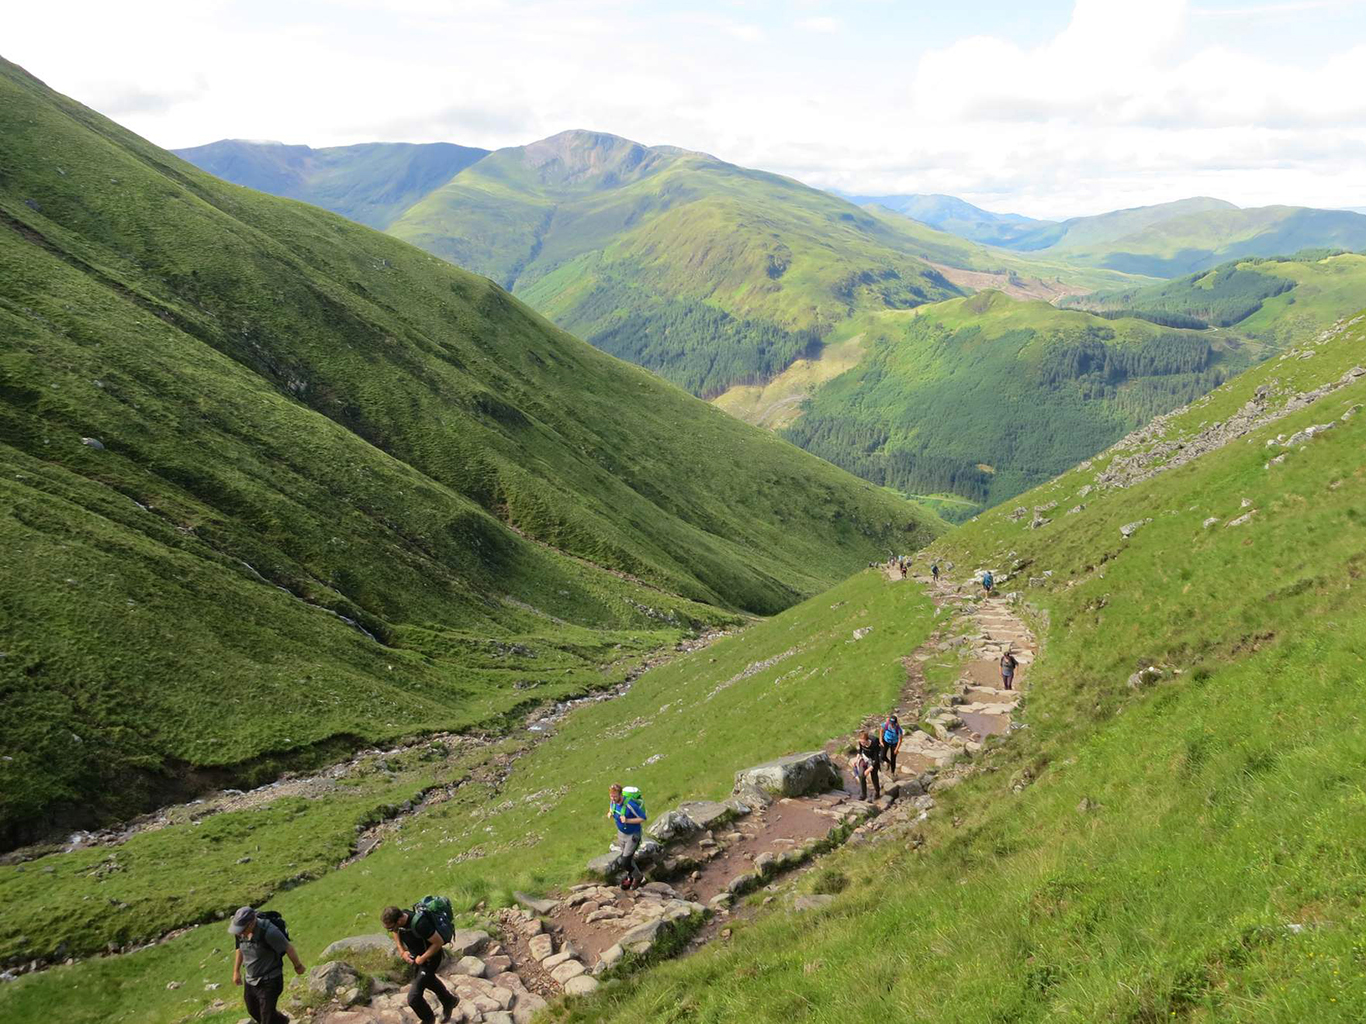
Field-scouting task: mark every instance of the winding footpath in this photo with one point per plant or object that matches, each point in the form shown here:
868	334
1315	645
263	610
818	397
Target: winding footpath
561	945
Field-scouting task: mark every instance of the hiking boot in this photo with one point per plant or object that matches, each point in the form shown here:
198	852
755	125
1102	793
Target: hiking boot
449	1008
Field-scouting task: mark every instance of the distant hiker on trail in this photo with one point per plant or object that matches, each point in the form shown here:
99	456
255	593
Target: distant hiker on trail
934	571
987	583
262	945
420	934
903	570
628	815
892	735
865	765
1008	664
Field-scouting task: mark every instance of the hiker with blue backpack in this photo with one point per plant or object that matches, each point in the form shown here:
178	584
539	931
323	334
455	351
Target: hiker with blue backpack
420	934
892	736
627	810
258	965
988	581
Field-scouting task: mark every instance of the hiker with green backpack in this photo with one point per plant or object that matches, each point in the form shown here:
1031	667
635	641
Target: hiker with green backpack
258	965
627	811
420	934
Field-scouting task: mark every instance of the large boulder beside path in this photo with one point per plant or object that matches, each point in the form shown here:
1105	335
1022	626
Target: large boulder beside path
369	954
337	980
793	775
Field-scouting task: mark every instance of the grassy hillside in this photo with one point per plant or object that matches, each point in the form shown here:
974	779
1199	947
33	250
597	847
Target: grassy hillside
705	272
372	183
1190	849
1275	300
278	485
1192	235
984	397
683	730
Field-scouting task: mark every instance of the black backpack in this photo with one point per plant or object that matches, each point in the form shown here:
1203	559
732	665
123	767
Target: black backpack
270	917
274	918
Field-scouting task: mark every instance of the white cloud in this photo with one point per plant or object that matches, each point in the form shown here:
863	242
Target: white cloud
1129	101
822	24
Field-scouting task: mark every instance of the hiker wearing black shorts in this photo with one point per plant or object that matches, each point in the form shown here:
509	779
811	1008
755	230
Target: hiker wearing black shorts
419	942
259	963
869	747
1008	664
988	581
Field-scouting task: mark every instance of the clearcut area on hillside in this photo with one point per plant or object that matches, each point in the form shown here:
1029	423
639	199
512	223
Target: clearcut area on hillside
279	487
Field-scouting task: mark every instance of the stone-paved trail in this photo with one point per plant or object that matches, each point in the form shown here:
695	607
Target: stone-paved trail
717	852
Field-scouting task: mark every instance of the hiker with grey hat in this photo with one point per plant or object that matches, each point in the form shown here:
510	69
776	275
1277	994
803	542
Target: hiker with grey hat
262	945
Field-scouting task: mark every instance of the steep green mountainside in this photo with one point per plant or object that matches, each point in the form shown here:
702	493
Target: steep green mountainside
1275	300
277	485
957	217
372	183
705	272
712	275
1185	844
1186	848
1192	235
984	397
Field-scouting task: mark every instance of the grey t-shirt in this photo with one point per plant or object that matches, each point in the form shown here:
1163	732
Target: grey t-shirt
263	955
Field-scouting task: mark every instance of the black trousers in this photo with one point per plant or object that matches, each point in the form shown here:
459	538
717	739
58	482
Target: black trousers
889	755
261	1000
424	980
863	784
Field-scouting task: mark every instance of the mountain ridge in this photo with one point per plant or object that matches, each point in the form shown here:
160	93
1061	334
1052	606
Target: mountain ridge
279	485
370	183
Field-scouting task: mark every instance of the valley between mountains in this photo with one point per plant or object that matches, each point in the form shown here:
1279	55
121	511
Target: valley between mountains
357	537
862	329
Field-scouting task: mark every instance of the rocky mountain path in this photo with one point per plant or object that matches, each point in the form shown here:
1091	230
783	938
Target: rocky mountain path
561	944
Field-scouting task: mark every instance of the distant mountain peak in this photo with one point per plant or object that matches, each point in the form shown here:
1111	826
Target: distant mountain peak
581	158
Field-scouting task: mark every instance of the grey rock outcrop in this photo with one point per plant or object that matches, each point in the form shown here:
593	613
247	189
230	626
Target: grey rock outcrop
536	906
793	775
1129	529
329	979
367	949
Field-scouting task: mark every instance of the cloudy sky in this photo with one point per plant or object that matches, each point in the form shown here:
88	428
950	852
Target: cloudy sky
1044	107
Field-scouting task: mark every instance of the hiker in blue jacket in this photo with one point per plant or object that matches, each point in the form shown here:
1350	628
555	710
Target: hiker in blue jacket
629	816
987	583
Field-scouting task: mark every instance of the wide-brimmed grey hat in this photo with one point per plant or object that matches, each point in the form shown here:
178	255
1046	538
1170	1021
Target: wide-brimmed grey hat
241	920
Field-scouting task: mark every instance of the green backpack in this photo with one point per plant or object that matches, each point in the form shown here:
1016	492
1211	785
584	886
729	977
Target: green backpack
439	907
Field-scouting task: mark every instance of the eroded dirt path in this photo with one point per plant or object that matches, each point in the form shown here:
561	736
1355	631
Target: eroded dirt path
562	943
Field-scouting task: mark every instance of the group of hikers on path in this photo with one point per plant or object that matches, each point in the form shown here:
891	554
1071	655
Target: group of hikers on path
263	944
420	934
876	747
